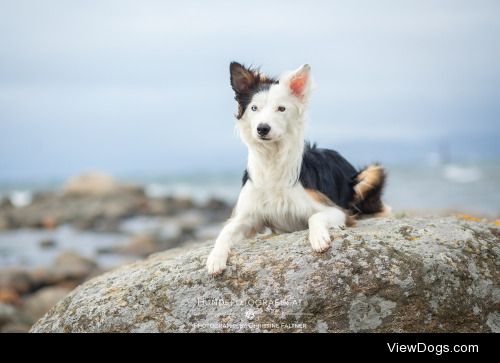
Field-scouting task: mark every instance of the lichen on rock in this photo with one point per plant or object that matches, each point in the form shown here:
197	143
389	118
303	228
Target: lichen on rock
385	275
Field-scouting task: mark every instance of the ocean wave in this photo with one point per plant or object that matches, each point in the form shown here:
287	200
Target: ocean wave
461	174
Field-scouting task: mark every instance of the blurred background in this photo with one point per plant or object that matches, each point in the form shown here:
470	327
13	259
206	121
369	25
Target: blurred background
117	130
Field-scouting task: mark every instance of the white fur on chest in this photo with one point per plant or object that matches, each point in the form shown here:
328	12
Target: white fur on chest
284	209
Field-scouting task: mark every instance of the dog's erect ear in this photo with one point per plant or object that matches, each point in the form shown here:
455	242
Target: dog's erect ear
242	79
299	82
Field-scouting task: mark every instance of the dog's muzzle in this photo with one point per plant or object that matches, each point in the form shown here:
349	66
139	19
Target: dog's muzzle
263	129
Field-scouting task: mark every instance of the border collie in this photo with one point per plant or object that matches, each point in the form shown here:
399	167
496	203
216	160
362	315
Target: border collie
290	185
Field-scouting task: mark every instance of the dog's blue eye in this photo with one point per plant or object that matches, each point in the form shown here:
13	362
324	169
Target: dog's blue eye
281	108
254	108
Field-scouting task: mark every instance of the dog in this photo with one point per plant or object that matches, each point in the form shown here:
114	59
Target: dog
290	185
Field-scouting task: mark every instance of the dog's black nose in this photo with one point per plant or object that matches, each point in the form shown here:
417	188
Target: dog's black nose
263	129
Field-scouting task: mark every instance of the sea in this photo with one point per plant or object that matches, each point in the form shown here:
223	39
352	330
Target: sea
412	189
467	188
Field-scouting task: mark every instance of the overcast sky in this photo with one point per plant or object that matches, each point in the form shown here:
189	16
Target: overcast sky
143	87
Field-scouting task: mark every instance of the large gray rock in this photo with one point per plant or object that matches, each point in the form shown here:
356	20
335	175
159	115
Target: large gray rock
396	275
96	183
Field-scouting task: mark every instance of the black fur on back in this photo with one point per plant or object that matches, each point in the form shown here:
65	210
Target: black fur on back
328	172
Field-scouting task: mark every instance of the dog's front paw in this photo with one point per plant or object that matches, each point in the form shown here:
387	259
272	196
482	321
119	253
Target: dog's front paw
216	262
320	239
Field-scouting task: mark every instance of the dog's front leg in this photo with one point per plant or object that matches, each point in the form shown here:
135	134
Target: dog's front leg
319	224
236	229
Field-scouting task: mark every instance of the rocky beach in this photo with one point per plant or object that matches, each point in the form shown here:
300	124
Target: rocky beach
91	224
67	246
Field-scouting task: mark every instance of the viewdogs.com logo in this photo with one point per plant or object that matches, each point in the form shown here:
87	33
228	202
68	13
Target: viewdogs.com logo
431	348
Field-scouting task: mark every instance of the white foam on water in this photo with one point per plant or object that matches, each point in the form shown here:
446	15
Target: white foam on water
461	174
21	198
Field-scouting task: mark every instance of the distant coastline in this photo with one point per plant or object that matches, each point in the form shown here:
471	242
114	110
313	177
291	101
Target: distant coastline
426	187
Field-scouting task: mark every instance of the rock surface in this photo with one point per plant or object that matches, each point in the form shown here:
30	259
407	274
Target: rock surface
385	275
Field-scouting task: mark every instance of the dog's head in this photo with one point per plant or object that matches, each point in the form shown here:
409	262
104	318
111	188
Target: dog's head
270	110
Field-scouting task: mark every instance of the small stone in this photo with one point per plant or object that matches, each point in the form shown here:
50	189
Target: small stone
15	328
40	302
49	222
16	279
142	245
9	296
47	243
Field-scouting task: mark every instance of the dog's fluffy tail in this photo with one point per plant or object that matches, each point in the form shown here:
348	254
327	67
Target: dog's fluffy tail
368	190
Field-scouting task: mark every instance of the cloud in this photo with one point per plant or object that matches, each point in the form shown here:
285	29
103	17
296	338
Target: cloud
150	79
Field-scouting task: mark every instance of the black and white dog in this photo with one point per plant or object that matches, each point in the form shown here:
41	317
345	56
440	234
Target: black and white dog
289	185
